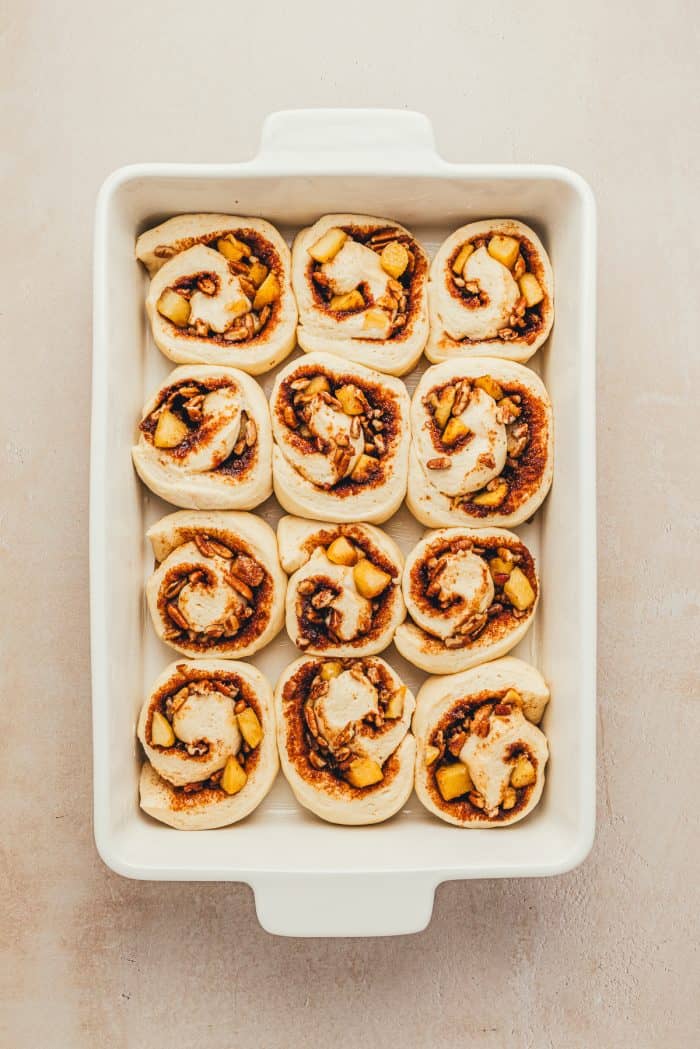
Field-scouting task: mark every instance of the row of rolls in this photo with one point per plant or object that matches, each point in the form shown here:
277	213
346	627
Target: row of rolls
351	738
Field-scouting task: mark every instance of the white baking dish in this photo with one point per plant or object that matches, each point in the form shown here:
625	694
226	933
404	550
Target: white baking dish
311	878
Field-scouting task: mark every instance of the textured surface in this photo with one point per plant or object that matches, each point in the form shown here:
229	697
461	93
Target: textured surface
605	956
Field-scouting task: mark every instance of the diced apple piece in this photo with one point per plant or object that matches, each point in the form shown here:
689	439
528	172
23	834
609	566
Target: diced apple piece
234	777
250	727
169	431
518	590
328	246
523	774
512	696
162	734
238	307
443	407
370	580
509	410
319	384
530	289
519	267
376	318
500	567
489	386
363	772
268	292
492	498
394	708
232	249
364	467
431	754
504	249
342	552
174	307
350	398
330	670
509	799
257	274
352	300
453	780
454	430
464	252
394	259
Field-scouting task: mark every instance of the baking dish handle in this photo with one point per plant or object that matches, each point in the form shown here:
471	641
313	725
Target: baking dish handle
343	904
357	139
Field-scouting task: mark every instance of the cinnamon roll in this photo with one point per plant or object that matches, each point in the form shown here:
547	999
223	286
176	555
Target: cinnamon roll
205	440
491	293
344	596
344	739
220	291
218	589
208	733
342	437
481	757
471	595
482	444
360	283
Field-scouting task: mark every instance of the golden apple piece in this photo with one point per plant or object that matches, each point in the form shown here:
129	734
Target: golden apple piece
489	386
352	300
162	734
364	467
453	780
499	567
443	406
342	552
519	267
370	580
504	249
363	772
250	727
394	259
509	799
519	591
351	399
328	246
492	498
530	289
454	431
268	292
170	430
523	774
234	777
512	696
331	669
394	708
464	252
319	384
431	754
238	307
376	318
232	249
257	274
174	307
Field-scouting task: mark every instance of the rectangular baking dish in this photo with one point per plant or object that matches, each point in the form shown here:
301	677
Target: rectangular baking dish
311	878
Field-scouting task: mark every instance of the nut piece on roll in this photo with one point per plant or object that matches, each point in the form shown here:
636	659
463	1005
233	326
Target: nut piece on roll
491	293
483	444
205	440
220	291
361	286
208	732
218	589
344	595
481	757
471	595
342	435
343	731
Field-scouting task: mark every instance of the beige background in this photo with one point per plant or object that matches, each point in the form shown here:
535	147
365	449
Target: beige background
606	956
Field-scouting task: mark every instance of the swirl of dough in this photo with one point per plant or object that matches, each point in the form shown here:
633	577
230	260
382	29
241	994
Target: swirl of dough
341	440
360	283
205	440
481	757
344	740
344	595
208	732
491	292
220	291
471	595
483	442
218	589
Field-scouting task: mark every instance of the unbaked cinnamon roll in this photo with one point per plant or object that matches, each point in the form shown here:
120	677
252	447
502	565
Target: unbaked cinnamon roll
208	732
482	444
220	291
344	594
481	757
218	589
344	739
491	293
341	440
471	595
360	284
205	440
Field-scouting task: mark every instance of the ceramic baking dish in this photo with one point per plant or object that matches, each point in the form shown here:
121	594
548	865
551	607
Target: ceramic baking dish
312	878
